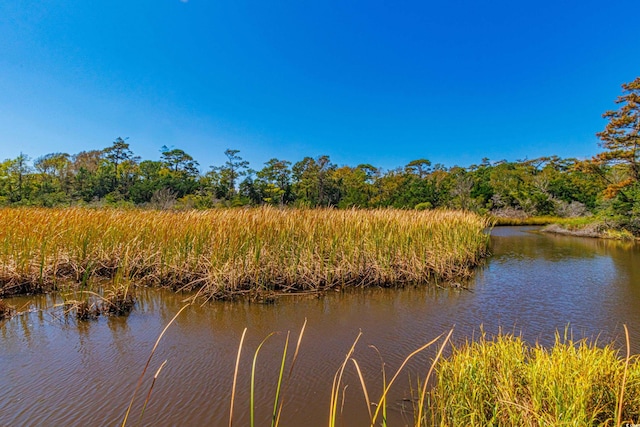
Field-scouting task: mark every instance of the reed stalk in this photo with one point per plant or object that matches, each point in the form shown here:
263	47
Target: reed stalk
153	350
274	416
253	379
337	381
233	252
421	404
153	383
235	376
293	364
395	376
624	377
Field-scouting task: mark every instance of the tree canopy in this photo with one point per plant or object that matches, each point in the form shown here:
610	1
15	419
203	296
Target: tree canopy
550	185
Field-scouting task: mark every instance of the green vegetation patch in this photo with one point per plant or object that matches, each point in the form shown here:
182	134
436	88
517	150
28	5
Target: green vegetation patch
506	382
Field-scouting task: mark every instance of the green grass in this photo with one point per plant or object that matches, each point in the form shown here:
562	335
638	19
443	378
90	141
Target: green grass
503	381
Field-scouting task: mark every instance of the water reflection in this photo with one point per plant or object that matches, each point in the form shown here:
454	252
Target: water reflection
59	372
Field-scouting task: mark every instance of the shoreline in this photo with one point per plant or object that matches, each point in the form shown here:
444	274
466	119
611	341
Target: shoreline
592	231
576	227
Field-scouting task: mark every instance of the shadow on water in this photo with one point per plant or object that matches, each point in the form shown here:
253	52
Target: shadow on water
57	371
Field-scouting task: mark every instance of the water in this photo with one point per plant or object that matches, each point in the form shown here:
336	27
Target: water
55	371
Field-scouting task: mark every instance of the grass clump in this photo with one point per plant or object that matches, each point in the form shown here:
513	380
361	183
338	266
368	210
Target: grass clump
83	310
86	305
118	301
506	382
231	252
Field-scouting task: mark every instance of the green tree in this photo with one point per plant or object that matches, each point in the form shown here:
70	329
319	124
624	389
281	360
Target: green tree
181	172
215	185
178	161
420	167
150	180
5	183
313	182
353	186
390	189
88	183
16	177
274	181
54	178
227	175
121	166
419	188
461	190
482	190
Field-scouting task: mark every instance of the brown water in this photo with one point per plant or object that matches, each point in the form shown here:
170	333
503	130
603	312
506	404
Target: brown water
57	372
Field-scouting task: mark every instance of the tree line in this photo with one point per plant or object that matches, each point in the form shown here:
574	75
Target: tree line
606	184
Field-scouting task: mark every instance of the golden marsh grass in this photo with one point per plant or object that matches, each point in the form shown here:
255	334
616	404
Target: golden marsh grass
504	381
229	252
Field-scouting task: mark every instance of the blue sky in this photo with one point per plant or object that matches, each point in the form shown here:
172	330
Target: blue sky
377	82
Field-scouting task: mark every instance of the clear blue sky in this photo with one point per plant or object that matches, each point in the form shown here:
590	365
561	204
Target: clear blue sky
380	82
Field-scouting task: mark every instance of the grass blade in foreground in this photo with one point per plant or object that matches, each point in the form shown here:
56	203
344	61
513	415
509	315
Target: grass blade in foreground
153	350
235	377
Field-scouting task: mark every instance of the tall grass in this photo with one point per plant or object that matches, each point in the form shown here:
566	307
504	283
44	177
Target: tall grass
237	251
500	381
503	381
278	401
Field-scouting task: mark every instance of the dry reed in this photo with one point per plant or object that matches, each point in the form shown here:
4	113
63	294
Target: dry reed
229	252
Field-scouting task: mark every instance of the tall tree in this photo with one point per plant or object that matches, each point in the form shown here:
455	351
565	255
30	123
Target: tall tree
621	138
121	162
229	173
275	178
354	189
181	171
19	174
179	161
87	182
314	184
150	180
54	177
419	167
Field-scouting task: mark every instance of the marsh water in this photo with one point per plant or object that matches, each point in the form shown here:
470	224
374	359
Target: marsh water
56	371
